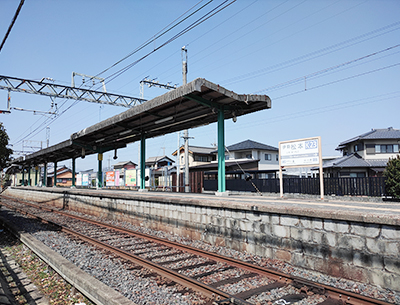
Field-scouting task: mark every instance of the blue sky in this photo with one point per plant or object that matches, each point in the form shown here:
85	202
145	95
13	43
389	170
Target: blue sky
331	68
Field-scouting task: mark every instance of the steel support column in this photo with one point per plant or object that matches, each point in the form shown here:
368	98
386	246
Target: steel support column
221	151
29	175
73	172
99	171
55	174
36	175
45	175
142	162
23	177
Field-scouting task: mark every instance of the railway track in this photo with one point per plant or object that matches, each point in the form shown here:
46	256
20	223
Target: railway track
220	279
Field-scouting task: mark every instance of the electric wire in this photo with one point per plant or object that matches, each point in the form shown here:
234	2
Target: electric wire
339	80
315	54
323	71
199	21
12	24
158	35
165	59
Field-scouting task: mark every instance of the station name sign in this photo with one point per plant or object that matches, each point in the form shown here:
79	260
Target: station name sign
299	152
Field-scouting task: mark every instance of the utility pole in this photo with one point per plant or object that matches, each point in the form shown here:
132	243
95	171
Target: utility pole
186	131
178	158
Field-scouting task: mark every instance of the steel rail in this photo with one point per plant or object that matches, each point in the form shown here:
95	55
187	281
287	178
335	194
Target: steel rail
332	292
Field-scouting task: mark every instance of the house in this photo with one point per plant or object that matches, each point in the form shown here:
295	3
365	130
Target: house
158	162
124	165
198	155
158	169
267	155
365	155
64	177
125	170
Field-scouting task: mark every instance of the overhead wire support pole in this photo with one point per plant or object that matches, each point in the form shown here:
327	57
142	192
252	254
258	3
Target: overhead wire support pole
61	91
186	131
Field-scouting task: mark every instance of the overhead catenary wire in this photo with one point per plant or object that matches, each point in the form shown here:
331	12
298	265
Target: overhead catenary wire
251	45
323	71
315	54
161	33
199	21
12	24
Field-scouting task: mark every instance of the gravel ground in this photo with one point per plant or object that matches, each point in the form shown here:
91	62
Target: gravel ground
48	282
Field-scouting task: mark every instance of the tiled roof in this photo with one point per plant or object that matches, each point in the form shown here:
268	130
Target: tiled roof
122	163
197	150
157	159
386	133
249	144
354	160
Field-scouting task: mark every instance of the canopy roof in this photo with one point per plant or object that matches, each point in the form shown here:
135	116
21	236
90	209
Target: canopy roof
194	104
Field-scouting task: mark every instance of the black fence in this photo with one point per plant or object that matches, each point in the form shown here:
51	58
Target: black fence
367	186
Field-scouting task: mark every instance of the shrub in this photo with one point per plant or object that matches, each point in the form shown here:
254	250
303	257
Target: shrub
392	174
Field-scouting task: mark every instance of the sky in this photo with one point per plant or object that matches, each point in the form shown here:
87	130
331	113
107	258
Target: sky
331	68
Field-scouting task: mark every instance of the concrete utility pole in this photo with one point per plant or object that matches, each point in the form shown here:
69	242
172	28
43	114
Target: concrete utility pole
186	131
178	166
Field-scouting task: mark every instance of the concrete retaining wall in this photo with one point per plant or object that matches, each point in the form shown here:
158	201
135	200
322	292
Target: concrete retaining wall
357	250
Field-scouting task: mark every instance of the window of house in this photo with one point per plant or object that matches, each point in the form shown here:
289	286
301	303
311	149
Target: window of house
267	157
277	157
249	156
226	157
201	158
386	148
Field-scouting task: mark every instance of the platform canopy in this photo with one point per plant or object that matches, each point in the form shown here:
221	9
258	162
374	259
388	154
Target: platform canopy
192	105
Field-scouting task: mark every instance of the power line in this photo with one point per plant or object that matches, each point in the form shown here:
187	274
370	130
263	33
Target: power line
323	71
316	54
337	81
12	24
157	35
199	21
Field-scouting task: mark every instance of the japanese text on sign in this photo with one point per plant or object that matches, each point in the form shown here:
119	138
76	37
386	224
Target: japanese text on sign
302	152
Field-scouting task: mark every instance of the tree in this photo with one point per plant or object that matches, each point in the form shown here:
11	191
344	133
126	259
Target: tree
5	152
392	174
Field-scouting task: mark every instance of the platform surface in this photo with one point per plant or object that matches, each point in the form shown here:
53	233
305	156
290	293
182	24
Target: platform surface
351	209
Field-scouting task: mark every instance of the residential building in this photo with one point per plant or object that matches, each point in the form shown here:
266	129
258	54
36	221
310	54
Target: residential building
120	169
159	171
197	155
64	177
365	155
268	156
124	165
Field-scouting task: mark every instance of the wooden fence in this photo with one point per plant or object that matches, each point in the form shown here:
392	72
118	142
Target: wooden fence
367	186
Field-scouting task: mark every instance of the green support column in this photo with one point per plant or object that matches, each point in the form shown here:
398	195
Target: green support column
45	175
73	172
221	151
142	162
23	177
55	174
36	175
29	175
99	171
